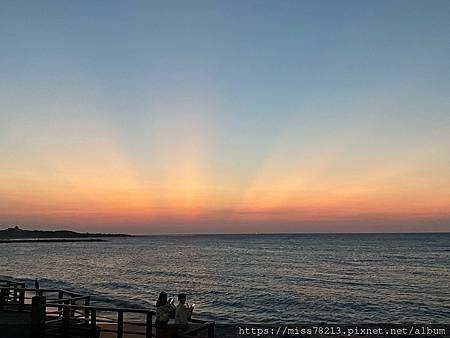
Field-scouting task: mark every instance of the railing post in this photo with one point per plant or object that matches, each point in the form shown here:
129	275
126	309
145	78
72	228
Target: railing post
60	308
120	324
15	292
38	317
87	302
8	285
66	319
72	310
211	330
93	330
21	299
148	325
7	293
2	298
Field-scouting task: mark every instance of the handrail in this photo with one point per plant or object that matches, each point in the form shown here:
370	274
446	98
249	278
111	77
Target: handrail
43	290
68	312
10	281
62	300
53	303
192	332
102	308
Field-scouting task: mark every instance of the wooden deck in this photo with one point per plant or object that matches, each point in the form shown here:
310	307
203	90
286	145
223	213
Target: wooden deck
15	324
47	313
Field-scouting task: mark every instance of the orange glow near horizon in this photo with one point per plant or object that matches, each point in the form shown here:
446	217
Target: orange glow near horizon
95	184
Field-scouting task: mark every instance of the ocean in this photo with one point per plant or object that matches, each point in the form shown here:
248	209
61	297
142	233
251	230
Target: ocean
289	278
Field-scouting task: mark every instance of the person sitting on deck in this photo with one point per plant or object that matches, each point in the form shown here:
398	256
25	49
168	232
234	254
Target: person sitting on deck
183	312
164	309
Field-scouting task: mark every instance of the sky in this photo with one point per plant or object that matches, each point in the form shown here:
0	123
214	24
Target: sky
225	116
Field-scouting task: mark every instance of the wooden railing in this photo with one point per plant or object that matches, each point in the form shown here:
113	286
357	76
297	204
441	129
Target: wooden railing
202	327
8	283
91	319
68	314
12	290
17	295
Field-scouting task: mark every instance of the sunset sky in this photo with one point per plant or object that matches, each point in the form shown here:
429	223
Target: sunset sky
225	116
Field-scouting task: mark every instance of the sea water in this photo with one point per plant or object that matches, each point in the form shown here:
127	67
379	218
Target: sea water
290	278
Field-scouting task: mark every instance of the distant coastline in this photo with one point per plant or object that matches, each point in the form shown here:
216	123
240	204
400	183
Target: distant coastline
18	235
55	240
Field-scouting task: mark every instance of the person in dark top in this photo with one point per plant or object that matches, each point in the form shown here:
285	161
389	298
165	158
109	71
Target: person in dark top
164	309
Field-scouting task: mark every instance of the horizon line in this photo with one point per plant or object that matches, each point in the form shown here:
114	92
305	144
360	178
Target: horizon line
288	233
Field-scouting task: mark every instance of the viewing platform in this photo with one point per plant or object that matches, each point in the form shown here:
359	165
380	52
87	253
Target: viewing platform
45	313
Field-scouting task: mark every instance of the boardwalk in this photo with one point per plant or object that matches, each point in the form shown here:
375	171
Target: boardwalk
15	324
46	313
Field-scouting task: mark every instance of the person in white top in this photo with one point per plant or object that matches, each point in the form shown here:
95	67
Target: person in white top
183	311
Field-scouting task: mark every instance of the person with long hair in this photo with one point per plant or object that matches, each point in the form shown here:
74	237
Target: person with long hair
164	309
